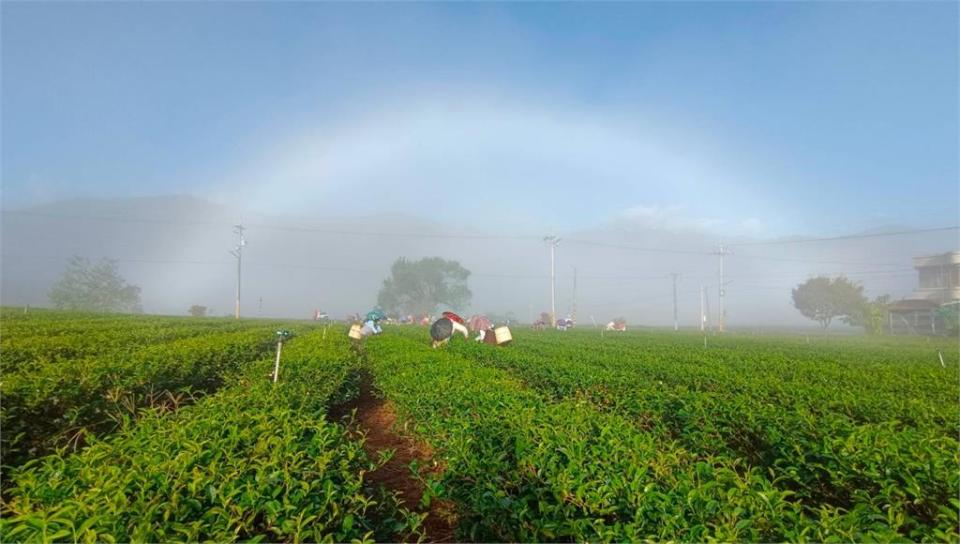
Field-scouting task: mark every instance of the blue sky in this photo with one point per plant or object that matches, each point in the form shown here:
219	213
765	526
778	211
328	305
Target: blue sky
750	118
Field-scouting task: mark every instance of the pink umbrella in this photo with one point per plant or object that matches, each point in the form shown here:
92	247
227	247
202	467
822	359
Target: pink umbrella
479	323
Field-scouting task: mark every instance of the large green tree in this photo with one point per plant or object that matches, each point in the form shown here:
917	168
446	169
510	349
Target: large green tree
94	287
822	299
419	287
872	315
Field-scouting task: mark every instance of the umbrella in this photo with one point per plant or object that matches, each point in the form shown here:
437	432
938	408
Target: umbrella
479	323
453	317
375	315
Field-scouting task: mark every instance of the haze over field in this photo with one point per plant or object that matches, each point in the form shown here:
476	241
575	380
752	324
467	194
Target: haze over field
345	136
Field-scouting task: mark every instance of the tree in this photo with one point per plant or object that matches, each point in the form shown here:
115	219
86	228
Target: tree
951	318
198	311
94	287
872	315
823	299
418	287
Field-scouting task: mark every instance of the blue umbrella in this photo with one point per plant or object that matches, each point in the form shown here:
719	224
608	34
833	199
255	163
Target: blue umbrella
375	315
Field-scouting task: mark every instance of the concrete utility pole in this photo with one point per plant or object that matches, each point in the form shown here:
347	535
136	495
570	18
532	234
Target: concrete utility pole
721	311
703	316
238	253
553	242
676	324
573	312
706	308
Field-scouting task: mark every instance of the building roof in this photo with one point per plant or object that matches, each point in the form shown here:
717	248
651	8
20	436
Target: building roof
950	257
913	304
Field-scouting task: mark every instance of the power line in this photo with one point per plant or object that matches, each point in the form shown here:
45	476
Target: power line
424	235
847	237
266	226
637	248
806	261
712	253
254	264
114	219
12	258
644	299
440	236
903	271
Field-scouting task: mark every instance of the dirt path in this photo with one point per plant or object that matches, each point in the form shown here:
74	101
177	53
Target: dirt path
376	418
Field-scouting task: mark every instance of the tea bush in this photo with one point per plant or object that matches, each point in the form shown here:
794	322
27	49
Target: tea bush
255	461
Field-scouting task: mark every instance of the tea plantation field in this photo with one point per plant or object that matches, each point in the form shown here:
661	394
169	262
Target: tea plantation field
118	428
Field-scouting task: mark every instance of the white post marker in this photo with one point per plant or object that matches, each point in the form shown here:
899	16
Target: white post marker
281	336
940	354
276	365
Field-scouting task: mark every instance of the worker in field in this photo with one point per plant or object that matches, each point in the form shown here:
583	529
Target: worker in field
371	325
443	329
482	325
542	323
619	324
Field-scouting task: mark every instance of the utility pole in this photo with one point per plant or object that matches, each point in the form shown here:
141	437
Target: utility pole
573	313
721	311
238	253
706	308
703	317
676	325
553	242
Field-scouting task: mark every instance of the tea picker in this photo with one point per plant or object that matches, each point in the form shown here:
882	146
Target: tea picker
481	325
487	334
442	329
619	324
371	325
282	336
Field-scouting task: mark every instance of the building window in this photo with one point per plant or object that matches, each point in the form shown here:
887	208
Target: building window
932	277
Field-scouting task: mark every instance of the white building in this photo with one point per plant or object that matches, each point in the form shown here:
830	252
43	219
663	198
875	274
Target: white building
938	286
